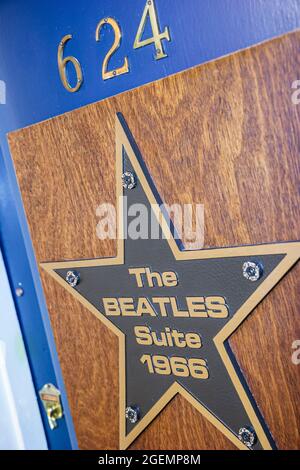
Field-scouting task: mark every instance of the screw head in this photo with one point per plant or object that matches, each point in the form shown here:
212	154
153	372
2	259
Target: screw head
19	291
132	413
129	180
73	278
248	436
252	270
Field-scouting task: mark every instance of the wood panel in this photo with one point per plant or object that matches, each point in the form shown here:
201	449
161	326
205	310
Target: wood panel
225	134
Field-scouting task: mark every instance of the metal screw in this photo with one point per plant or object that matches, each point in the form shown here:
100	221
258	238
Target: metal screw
73	278
248	436
132	413
129	180
19	291
252	270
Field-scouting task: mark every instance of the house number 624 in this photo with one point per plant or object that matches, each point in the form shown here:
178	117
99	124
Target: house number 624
156	39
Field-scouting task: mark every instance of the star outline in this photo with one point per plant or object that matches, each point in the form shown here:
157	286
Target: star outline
291	250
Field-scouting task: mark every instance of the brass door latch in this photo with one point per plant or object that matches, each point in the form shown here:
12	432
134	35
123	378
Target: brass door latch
50	397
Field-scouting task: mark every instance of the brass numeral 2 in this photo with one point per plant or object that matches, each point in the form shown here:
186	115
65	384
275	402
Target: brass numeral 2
125	68
156	39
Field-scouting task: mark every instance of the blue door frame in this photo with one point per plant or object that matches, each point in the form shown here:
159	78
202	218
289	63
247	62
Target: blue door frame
29	35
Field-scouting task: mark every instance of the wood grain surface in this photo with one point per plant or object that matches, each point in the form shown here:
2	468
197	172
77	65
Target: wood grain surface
226	135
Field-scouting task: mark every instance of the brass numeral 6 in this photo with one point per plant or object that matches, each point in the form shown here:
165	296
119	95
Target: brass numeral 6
62	66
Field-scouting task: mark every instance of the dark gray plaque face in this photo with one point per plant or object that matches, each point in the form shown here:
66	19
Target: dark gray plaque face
174	312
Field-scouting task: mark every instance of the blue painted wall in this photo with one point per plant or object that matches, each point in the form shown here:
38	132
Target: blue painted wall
201	30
